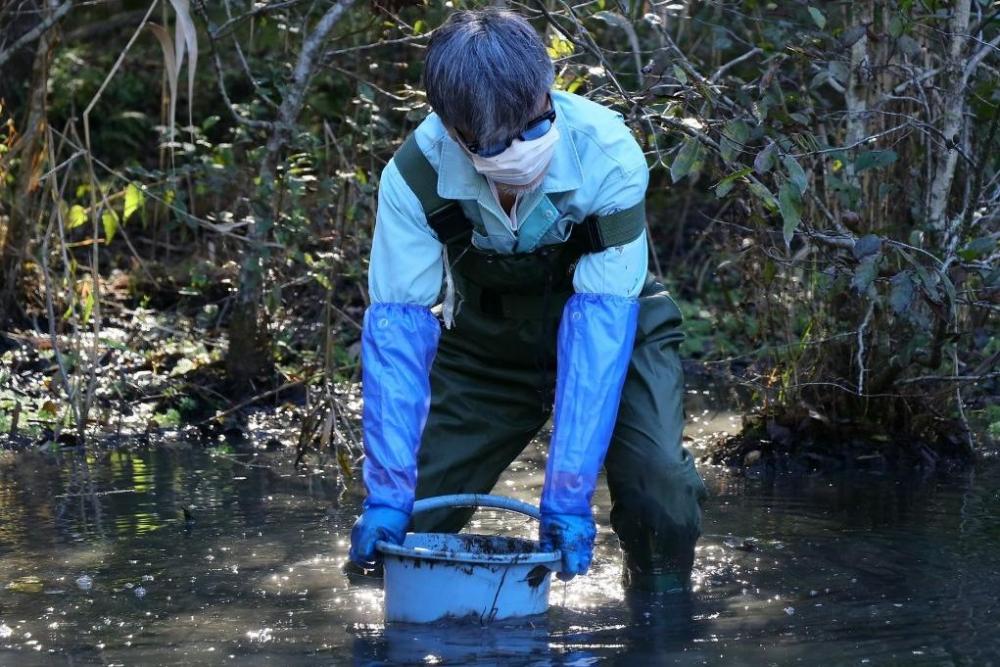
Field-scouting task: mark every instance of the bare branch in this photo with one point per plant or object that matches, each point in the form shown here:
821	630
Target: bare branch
220	77
732	63
861	346
259	8
980	55
44	26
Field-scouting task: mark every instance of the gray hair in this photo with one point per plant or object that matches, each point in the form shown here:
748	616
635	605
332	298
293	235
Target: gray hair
485	72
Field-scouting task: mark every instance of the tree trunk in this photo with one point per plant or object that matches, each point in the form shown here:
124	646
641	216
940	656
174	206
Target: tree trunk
249	355
954	111
16	235
858	96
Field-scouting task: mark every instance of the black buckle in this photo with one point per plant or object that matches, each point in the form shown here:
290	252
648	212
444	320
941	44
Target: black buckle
589	234
449	223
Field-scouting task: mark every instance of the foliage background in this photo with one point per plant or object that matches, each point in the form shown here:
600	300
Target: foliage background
188	193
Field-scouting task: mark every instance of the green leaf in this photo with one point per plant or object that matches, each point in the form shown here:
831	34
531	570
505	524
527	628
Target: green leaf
867	245
688	159
559	47
818	18
790	206
977	248
838	71
901	296
770	271
929	281
896	26
764	161
865	274
852	36
680	74
88	305
796	173
819	79
366	92
77	216
760	191
734	139
322	279
874	160
134	199
109	219
419	27
949	289
909	46
723	187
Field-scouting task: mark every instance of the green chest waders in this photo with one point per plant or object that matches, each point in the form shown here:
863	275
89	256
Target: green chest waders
493	378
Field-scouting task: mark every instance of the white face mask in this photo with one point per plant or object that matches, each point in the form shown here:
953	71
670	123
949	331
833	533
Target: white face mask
522	163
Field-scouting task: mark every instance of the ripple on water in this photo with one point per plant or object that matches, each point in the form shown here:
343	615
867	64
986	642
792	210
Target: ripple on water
196	558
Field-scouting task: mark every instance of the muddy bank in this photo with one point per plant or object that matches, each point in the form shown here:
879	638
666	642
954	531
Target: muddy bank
765	445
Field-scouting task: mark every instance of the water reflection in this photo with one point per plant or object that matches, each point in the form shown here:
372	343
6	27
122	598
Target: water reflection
185	555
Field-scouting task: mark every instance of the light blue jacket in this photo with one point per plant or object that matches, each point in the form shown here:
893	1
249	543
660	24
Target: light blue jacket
597	168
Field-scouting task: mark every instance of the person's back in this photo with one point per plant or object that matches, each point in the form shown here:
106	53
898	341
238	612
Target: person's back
522	208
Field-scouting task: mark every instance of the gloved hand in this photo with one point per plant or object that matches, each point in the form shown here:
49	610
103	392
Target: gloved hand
376	523
573	536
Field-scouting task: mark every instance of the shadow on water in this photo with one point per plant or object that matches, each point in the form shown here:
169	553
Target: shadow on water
181	555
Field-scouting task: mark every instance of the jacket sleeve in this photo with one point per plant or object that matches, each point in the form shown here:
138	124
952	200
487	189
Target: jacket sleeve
406	264
398	342
620	270
596	337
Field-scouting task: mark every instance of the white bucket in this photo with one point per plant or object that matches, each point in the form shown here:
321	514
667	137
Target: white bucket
434	576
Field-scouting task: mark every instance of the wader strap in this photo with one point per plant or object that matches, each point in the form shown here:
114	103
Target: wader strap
598	233
444	216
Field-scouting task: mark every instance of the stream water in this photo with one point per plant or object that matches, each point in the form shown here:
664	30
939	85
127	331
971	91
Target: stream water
100	564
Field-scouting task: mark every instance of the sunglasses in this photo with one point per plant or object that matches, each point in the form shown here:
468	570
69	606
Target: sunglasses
535	129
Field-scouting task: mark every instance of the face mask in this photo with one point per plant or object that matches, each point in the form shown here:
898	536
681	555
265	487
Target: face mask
521	163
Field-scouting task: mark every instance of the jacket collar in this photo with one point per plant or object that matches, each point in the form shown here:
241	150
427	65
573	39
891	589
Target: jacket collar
458	179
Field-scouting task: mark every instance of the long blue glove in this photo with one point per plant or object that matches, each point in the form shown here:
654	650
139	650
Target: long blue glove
398	343
376	523
571	535
595	343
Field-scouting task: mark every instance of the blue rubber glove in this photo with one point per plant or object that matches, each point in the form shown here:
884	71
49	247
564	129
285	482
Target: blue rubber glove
376	523
398	343
571	535
595	342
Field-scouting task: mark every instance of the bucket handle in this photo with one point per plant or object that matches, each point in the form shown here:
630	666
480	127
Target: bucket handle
476	500
469	500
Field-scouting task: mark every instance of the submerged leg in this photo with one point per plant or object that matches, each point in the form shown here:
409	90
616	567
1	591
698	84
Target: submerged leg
656	492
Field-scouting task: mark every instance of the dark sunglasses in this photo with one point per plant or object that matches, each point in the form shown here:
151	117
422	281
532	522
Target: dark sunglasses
535	129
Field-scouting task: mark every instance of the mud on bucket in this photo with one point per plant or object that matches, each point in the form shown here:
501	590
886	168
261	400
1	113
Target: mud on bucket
433	576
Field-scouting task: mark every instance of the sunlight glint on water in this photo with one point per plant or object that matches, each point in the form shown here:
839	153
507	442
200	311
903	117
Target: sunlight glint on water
861	571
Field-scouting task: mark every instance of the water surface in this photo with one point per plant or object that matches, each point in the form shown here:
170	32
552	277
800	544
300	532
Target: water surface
99	565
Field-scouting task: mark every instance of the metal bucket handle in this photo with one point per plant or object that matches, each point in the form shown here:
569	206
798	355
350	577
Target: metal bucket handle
472	500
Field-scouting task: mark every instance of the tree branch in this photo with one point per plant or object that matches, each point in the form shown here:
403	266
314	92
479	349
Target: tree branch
36	32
